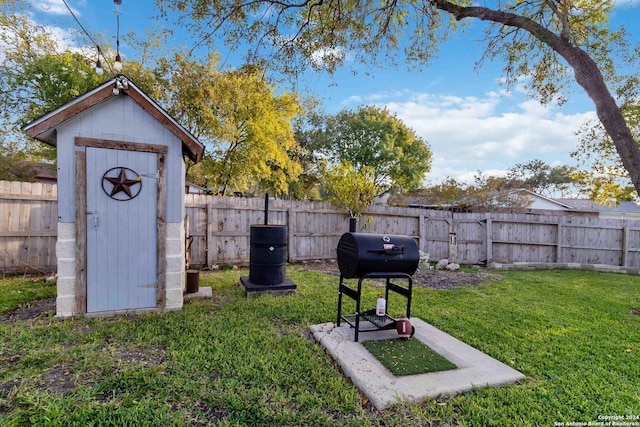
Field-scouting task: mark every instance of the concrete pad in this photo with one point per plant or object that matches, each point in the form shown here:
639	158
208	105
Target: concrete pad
383	389
203	292
252	289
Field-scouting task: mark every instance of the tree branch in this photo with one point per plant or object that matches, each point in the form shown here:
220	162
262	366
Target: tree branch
586	71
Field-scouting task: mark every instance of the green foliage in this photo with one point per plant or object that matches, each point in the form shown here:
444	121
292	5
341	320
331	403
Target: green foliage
36	76
374	32
375	138
449	191
542	178
12	163
350	188
306	126
245	124
602	174
248	361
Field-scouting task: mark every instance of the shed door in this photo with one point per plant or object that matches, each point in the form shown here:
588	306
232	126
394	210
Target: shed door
121	229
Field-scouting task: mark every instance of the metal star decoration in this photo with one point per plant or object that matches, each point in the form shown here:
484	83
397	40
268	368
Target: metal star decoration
122	184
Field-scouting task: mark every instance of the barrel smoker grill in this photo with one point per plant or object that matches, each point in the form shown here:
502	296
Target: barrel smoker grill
375	256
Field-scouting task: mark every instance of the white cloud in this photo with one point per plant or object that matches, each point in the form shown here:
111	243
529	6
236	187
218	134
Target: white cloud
55	7
65	38
470	134
322	58
354	99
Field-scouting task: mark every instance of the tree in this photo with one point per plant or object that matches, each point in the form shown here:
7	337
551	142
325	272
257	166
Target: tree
245	125
448	193
12	164
309	183
350	188
542	178
550	42
373	138
37	76
486	193
602	173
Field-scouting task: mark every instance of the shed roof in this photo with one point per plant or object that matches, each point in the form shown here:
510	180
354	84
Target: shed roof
43	128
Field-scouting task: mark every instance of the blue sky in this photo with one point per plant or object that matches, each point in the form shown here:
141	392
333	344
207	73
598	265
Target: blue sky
470	121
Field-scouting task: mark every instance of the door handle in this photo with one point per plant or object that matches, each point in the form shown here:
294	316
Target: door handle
96	219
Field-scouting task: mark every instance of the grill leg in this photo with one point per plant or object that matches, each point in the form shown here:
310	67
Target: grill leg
410	280
339	304
357	326
358	308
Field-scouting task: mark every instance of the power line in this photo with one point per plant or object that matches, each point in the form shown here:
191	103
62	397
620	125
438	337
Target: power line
81	26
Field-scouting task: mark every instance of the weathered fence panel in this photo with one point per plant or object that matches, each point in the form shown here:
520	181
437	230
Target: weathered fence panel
219	231
28	227
631	250
533	241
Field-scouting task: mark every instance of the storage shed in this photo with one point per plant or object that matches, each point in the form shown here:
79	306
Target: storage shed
121	180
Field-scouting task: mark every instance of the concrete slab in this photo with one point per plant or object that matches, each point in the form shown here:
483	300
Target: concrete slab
203	292
251	289
383	389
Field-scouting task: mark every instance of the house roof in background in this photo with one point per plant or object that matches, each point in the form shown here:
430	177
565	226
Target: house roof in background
592	206
41	171
530	193
579	205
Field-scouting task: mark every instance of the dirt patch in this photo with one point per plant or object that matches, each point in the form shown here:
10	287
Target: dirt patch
435	279
444	279
154	356
59	380
31	310
9	386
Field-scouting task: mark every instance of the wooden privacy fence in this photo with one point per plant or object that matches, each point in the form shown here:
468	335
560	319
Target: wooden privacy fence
219	227
28	227
508	238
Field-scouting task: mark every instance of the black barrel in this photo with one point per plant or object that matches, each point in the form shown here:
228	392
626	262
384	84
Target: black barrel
362	253
268	254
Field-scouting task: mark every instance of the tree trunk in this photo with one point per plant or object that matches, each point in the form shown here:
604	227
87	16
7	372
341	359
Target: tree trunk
586	71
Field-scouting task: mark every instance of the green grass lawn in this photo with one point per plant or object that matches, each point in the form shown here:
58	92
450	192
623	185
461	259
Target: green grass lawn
234	361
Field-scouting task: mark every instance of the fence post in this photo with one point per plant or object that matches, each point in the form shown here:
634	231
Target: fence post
422	232
489	241
625	245
291	225
210	229
559	244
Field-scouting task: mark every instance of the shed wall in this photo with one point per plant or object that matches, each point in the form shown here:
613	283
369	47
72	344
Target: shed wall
118	119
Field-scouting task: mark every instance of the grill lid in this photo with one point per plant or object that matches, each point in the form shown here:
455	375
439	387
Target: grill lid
362	253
